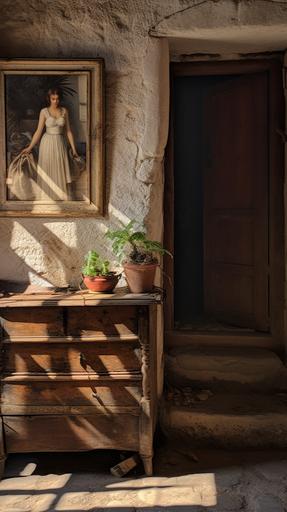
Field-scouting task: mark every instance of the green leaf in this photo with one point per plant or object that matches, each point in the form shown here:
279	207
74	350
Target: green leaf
94	265
138	236
134	243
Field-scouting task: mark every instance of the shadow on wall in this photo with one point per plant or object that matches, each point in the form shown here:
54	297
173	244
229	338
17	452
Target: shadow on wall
51	252
37	254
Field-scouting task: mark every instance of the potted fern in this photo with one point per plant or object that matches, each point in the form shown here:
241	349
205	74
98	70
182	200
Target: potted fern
97	275
138	254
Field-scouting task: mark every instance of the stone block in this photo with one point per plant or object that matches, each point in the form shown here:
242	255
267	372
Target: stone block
226	368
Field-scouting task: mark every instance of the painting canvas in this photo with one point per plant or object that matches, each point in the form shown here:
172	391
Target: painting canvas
51	138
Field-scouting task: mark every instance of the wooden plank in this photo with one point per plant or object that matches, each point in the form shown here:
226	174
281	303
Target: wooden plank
36	410
100	321
220	68
70	433
168	234
146	419
276	204
2	448
100	358
69	393
32	322
156	356
69	377
127	338
74	298
79	301
52	65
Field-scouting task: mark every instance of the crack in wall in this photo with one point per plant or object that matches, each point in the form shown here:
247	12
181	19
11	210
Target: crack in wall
168	16
237	3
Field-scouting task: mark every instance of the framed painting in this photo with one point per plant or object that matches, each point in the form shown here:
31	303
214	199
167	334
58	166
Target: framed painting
51	138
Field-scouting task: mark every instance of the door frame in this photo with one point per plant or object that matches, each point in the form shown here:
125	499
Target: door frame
276	108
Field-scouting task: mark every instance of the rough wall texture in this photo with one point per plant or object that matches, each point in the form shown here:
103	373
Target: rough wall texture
120	31
48	250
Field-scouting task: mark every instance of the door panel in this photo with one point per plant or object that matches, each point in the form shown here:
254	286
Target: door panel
236	279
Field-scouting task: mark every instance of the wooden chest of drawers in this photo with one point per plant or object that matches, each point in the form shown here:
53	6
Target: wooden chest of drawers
78	372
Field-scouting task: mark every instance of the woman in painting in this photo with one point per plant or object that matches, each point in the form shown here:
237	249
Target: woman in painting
53	170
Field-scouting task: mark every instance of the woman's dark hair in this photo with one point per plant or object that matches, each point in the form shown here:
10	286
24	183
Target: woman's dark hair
54	90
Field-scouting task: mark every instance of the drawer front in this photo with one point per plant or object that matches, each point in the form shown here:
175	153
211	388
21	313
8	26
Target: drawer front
100	358
68	394
99	321
32	322
71	433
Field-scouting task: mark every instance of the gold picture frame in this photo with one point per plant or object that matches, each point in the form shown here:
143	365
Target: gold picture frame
51	180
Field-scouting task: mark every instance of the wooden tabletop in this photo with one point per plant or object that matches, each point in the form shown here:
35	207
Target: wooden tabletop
31	296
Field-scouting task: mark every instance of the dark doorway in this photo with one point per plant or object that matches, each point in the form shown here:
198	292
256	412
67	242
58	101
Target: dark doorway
226	167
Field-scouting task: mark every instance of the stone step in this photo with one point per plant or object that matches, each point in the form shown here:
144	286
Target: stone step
228	369
225	420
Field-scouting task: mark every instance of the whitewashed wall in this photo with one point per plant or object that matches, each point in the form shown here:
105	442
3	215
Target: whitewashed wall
50	250
131	36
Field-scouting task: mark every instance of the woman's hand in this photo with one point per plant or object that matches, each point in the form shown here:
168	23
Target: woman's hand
75	154
26	151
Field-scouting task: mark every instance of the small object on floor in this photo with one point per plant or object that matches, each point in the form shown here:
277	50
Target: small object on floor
28	470
122	468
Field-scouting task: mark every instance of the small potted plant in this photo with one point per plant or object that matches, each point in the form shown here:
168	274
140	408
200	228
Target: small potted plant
138	256
97	275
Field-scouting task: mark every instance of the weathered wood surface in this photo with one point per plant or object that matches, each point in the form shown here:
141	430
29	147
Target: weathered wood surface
46	298
72	322
64	377
2	448
32	322
70	433
69	393
101	358
91	338
68	410
99	321
76	378
146	419
275	160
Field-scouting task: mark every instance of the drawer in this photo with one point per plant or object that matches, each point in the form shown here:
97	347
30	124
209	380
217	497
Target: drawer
32	322
68	394
99	321
71	433
99	358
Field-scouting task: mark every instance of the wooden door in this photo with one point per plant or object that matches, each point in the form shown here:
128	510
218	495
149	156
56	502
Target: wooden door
236	277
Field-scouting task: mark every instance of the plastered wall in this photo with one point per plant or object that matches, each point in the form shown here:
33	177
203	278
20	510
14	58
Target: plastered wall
133	37
50	251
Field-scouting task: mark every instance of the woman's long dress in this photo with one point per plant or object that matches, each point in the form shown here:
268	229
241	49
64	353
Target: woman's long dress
53	171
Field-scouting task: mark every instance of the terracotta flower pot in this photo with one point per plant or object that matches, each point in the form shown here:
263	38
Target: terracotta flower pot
140	277
101	283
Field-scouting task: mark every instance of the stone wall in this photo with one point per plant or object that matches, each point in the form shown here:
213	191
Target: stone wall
50	250
131	35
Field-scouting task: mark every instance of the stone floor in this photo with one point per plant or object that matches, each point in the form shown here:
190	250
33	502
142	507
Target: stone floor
183	481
